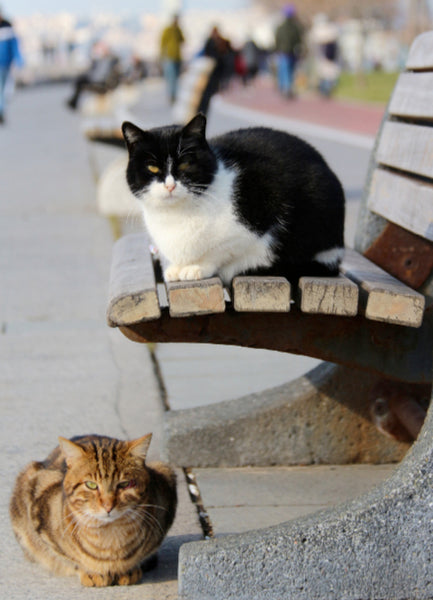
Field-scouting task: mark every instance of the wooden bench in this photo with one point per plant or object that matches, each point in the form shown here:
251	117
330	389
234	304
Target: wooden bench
374	321
318	319
104	113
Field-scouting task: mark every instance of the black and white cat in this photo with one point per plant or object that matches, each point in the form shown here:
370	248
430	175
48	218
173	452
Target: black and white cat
249	201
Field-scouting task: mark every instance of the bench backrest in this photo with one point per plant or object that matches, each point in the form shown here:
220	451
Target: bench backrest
395	228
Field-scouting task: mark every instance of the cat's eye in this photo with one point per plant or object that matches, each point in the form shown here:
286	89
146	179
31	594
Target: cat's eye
153	168
123	485
91	485
184	166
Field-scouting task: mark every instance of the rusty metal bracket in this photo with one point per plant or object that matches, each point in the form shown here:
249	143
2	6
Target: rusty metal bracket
402	254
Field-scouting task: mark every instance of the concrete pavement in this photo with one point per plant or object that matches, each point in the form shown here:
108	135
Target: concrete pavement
64	372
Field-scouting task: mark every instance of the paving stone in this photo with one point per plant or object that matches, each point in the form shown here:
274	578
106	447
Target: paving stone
251	498
233	372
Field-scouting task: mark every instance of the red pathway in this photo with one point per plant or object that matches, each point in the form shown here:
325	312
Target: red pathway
262	95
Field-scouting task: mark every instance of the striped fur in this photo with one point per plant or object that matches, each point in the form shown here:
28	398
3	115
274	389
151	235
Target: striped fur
94	508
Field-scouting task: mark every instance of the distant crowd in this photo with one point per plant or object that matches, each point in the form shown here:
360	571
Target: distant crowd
225	62
292	45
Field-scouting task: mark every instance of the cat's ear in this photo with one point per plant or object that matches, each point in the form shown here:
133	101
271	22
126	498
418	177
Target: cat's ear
196	127
140	446
131	133
71	451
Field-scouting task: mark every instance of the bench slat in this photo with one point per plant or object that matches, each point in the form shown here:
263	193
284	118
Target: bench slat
403	201
382	297
328	296
413	96
202	297
421	53
261	294
132	290
407	147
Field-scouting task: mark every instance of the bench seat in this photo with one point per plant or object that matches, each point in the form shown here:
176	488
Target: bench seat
321	318
137	294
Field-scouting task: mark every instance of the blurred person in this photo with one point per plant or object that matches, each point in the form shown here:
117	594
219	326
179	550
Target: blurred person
251	56
324	43
136	70
172	39
9	54
102	76
220	50
288	46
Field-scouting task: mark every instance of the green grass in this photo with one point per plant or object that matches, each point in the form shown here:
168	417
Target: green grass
375	86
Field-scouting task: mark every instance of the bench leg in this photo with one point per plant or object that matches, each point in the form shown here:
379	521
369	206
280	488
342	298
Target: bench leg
377	546
322	417
399	409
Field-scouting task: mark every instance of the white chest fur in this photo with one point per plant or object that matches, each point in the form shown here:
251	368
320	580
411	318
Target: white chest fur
199	234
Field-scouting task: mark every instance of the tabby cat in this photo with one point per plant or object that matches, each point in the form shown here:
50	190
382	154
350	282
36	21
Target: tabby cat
250	201
94	508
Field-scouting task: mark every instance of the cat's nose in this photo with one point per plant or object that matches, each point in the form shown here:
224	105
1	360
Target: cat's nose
108	505
170	184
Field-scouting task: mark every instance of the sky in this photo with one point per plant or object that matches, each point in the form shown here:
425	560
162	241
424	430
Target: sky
13	8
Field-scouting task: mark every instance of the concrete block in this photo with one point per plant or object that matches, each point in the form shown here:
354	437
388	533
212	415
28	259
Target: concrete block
322	417
379	545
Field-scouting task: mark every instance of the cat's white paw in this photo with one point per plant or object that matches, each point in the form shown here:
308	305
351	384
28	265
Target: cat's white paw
191	273
172	273
188	273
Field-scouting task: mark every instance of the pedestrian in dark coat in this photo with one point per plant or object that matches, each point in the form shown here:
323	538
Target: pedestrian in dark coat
288	45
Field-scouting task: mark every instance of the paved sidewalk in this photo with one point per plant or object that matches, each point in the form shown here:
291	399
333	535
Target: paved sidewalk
62	370
262	95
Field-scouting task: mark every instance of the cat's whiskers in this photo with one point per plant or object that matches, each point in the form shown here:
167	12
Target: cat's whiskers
135	523
90	520
202	191
153	530
80	524
149	518
152	506
131	216
141	515
71	519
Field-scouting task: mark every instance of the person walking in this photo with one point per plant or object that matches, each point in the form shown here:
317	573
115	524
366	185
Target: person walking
218	49
171	56
325	54
9	54
288	45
